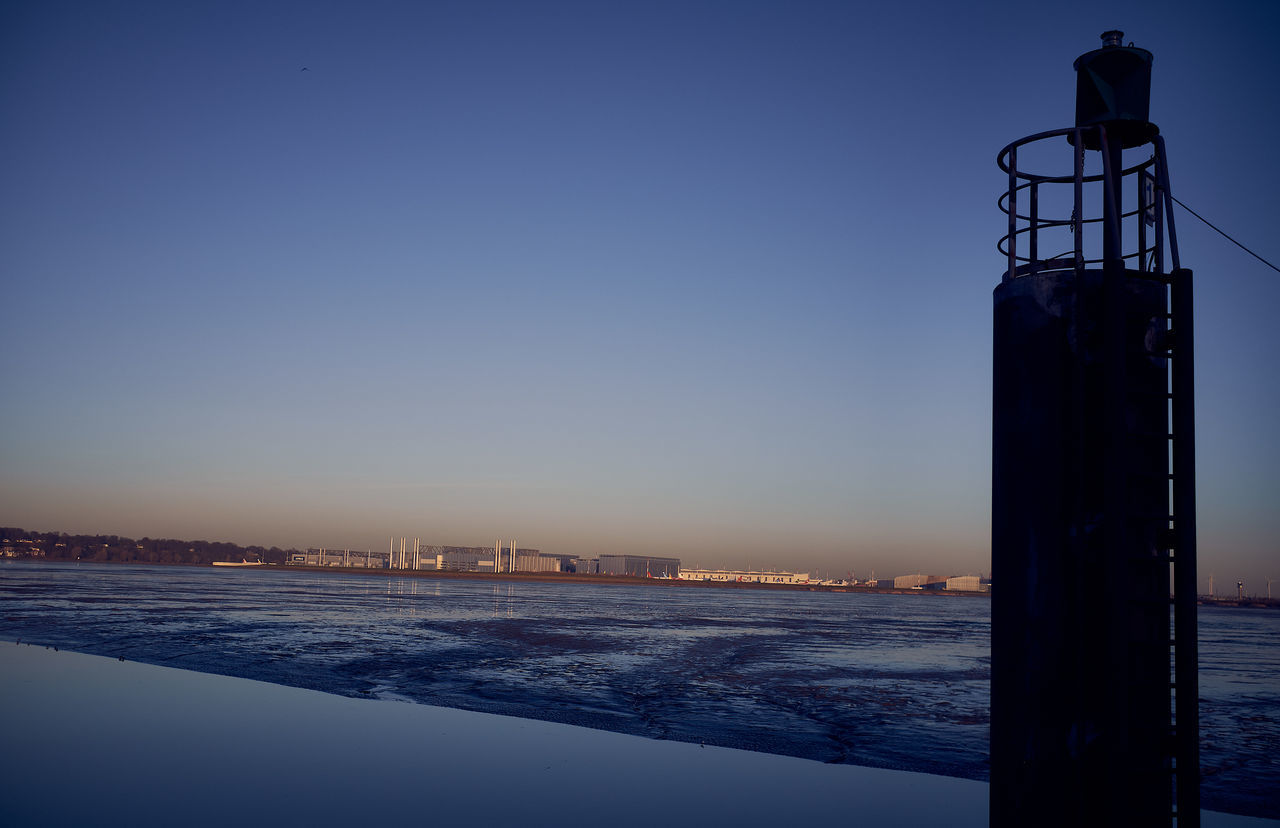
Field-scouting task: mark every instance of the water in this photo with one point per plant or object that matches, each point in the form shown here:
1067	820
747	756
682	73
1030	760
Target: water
880	680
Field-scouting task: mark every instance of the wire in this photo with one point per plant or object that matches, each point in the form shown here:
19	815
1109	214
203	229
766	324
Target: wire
1224	235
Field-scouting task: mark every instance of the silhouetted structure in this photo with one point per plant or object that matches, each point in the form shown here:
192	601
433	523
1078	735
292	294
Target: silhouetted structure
1093	476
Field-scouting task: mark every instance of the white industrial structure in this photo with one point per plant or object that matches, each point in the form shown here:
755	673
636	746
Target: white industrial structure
745	576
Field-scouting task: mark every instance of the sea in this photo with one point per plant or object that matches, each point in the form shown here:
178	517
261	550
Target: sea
891	681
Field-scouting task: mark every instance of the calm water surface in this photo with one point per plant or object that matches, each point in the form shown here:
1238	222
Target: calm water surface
881	680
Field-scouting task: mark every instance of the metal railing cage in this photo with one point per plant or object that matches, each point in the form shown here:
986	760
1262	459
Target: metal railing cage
1154	207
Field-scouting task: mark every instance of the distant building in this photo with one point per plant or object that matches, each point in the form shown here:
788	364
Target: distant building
568	563
965	583
512	558
357	558
640	566
424	557
495	559
22	548
745	576
918	581
417	556
536	562
458	558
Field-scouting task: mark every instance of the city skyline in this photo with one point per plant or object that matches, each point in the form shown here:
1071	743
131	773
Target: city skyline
708	281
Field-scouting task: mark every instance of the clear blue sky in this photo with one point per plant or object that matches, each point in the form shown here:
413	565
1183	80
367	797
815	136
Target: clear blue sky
703	279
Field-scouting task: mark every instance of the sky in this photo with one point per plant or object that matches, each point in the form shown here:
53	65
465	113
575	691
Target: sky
702	279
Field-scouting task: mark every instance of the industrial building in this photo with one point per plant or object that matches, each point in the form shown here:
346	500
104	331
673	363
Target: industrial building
417	556
357	558
501	558
640	566
531	560
745	576
918	581
454	559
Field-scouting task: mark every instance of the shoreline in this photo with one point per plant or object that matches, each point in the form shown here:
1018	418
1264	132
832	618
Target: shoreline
612	580
603	580
529	577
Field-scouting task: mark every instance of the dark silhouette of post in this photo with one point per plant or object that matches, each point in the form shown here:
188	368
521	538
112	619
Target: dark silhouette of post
1089	725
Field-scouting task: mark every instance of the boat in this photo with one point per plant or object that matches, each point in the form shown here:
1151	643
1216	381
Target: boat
242	562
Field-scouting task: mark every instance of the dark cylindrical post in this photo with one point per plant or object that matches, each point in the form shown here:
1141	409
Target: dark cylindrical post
1112	165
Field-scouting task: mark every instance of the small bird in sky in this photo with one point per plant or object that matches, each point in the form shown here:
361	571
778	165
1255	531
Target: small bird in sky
304	69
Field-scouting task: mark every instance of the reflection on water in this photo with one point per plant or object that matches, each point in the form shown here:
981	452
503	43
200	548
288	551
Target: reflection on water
881	680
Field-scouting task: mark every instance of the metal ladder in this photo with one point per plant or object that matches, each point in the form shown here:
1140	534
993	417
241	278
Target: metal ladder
1178	545
1184	731
1185	728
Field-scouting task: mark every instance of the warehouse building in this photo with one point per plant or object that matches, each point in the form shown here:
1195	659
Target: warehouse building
969	583
919	581
501	558
457	558
339	557
412	555
744	576
640	566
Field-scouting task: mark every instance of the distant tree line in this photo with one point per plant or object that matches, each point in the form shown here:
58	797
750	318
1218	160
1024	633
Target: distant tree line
18	543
